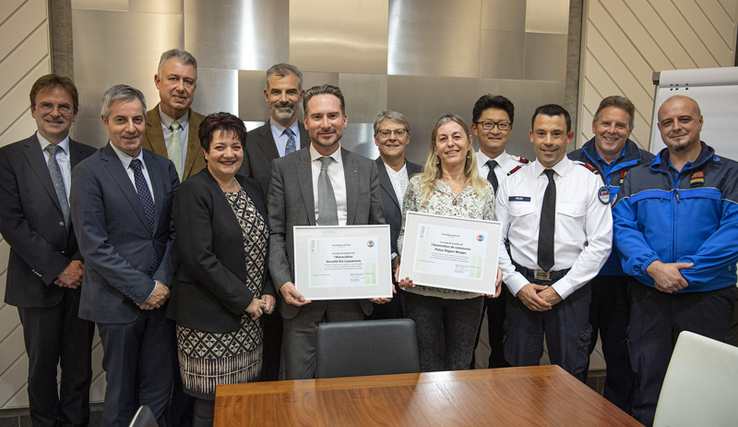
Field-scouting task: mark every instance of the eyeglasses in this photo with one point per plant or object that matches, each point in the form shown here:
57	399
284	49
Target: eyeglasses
47	107
502	126
386	133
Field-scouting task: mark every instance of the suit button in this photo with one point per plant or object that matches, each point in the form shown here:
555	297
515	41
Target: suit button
64	252
61	224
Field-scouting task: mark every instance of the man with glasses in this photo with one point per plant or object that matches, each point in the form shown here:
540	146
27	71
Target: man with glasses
492	123
392	135
45	267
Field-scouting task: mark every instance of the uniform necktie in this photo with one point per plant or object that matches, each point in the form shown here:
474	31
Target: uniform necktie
491	177
56	177
327	209
290	147
174	149
548	224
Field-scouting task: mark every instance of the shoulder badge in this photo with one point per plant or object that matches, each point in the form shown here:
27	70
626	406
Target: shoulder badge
523	160
591	168
604	195
622	175
697	179
515	169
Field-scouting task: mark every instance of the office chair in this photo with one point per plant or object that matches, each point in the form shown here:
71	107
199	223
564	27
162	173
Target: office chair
701	384
143	418
366	347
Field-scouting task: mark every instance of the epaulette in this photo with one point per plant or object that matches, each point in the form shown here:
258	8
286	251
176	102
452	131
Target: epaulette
515	169
522	160
591	168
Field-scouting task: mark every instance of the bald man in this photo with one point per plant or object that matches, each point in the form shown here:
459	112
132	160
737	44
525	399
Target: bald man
676	228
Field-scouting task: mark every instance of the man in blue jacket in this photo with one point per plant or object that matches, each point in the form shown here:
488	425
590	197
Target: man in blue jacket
612	154
676	227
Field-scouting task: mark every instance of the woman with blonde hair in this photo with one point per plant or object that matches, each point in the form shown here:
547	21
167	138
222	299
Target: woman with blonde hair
449	185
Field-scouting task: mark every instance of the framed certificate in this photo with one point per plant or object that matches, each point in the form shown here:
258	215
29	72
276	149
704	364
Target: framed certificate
343	262
451	252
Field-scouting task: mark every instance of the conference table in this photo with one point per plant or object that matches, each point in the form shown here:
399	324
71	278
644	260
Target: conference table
528	396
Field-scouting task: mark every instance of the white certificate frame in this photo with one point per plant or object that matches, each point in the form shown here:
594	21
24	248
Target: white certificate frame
485	284
378	234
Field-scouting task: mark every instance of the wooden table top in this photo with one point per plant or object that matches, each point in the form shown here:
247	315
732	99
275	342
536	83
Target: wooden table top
528	396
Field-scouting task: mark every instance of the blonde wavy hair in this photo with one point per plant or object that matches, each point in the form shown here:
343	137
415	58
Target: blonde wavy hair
433	172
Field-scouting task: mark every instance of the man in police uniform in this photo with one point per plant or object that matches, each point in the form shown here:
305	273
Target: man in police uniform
492	123
611	154
560	234
676	227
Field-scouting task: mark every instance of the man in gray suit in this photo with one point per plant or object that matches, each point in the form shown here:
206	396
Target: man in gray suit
392	135
297	196
283	133
121	201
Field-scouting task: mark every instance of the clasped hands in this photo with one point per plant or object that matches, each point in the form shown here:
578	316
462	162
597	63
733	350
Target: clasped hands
71	277
259	306
157	298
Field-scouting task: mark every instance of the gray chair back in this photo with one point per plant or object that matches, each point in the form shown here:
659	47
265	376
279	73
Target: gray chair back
366	347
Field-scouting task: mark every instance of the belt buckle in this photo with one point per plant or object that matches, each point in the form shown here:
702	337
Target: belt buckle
542	275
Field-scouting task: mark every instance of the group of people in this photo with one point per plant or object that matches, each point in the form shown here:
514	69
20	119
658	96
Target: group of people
176	239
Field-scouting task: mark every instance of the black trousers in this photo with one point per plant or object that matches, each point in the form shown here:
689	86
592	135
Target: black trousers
656	319
53	336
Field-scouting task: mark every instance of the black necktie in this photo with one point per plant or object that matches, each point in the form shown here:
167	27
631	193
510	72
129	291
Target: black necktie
548	224
142	188
491	177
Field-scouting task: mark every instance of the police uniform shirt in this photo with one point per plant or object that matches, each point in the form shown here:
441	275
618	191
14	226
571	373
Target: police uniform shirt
506	162
583	230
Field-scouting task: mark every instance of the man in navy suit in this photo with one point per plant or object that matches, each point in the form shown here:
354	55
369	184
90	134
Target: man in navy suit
392	135
122	205
282	134
45	267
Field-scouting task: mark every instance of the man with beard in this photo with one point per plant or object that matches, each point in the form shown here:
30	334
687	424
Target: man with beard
282	134
172	127
321	184
675	229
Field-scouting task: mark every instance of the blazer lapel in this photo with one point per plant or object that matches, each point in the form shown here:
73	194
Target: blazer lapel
305	179
36	160
154	132
352	185
120	177
385	183
193	143
265	141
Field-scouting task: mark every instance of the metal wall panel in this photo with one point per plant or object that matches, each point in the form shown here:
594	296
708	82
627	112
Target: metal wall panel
215	92
545	56
237	34
365	95
434	38
547	16
345	36
359	138
251	103
503	15
503	54
118	47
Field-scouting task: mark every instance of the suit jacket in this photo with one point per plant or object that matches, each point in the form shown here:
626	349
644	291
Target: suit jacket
392	202
210	292
260	150
32	222
154	141
114	236
290	202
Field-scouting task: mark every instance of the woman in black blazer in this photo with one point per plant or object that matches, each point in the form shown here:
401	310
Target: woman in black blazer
222	285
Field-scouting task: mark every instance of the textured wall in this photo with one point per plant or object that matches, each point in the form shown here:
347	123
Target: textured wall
625	41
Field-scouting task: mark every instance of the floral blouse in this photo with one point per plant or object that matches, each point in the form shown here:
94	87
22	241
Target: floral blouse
441	202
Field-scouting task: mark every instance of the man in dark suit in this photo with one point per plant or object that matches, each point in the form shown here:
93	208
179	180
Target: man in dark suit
392	135
45	267
122	205
283	133
322	184
284	93
172	119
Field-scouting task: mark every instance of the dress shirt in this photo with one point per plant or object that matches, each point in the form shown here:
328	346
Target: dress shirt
281	138
62	159
583	233
338	181
184	130
399	181
126	160
506	163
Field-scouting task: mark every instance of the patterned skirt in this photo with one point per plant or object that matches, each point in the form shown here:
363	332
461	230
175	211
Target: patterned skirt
207	359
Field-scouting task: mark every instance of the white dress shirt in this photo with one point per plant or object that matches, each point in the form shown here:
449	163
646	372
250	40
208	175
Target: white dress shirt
399	181
281	138
583	232
338	181
506	162
65	163
184	130
126	160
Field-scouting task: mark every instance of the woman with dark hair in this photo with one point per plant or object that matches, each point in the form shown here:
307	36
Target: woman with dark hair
449	185
222	285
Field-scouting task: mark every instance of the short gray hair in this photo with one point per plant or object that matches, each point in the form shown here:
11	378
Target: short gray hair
282	70
392	116
183	55
121	92
326	89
